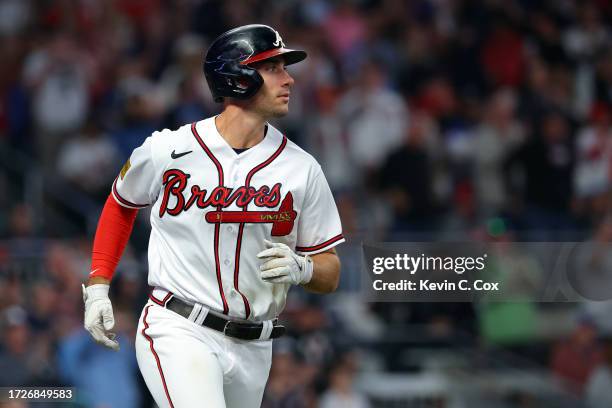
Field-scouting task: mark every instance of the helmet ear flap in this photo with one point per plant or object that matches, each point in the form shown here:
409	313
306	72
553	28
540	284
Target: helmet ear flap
250	81
247	82
234	80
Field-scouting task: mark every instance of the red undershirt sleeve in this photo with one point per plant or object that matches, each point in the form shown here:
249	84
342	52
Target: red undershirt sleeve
113	232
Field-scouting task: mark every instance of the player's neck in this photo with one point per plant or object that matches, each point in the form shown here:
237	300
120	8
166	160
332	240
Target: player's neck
240	128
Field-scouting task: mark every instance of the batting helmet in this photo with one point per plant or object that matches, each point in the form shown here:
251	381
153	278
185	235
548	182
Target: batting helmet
226	65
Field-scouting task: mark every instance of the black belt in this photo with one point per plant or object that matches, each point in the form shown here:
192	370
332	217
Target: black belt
239	330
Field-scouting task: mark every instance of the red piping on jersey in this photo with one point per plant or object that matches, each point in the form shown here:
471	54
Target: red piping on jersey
247	182
123	200
162	302
159	367
321	245
216	240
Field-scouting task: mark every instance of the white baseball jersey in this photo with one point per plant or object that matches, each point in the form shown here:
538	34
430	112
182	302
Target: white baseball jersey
213	208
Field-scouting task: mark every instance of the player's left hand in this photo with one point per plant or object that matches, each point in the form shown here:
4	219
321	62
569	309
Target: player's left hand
282	265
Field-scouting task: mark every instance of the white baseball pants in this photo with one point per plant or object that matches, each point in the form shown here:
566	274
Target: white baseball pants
186	365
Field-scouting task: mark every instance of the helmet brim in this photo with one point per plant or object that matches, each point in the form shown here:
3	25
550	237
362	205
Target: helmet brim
290	56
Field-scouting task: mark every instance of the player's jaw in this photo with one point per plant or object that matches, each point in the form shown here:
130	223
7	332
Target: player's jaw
273	98
281	103
280	96
270	103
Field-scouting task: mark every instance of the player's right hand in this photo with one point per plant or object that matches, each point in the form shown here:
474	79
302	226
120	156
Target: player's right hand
282	265
99	319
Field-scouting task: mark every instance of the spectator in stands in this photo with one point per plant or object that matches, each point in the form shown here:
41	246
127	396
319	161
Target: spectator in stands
341	393
21	222
14	103
593	177
329	143
345	28
104	377
22	230
41	307
598	389
14	354
592	276
407	177
521	276
603	79
547	163
374	118
584	40
14	17
417	64
462	218
284	388
182	86
90	161
503	53
537	92
57	77
499	134
141	106
574	359
546	37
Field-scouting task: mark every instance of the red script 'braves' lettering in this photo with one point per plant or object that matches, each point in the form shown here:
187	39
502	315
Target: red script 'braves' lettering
175	183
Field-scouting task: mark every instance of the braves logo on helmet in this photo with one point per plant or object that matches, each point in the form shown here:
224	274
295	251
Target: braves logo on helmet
279	41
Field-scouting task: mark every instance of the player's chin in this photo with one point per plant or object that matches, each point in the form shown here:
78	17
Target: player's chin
281	110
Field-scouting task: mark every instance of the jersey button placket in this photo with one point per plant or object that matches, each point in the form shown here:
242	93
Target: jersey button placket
236	172
229	228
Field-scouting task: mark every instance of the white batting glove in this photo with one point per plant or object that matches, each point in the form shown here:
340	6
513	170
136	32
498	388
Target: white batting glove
282	265
99	317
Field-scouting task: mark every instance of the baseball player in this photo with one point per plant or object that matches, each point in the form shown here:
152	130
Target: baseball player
239	214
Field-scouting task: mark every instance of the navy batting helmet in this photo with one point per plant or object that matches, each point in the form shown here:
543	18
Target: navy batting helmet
226	65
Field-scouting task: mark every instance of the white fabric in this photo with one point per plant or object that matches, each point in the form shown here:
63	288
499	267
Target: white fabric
159	293
598	388
340	399
376	121
89	162
182	246
594	155
61	98
200	366
99	318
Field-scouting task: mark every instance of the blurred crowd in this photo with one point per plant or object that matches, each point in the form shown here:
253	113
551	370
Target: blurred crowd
432	120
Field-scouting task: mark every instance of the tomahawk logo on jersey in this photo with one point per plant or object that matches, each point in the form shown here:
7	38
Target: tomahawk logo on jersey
213	209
